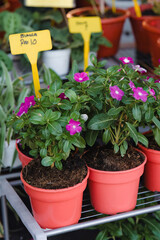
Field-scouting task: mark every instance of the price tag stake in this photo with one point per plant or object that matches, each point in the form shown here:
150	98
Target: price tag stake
31	43
85	26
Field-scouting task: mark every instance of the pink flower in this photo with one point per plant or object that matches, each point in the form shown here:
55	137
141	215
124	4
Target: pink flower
48	87
157	81
131	84
119	70
81	77
138	68
63	96
140	94
147	78
23	109
159	60
30	101
126	60
152	92
73	127
116	92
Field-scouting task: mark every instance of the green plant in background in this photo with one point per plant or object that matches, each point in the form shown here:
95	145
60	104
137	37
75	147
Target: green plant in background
78	46
143	227
7	61
12	93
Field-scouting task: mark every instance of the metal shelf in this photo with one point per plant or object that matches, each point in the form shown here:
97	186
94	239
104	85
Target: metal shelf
147	202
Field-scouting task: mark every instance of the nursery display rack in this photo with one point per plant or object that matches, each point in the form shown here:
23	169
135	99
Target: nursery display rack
147	202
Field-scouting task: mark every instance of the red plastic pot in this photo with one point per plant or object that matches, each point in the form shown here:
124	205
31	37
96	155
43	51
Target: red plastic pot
152	27
23	158
152	169
112	29
140	34
115	192
56	208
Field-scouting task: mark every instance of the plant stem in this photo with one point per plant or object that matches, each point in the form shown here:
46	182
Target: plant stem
95	7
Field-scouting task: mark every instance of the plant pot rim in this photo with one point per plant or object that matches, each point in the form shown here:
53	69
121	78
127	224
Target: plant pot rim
57	50
23	155
147	26
53	190
132	13
123	171
103	20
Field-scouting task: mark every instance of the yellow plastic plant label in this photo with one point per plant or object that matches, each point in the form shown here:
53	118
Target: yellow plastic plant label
137	8
30	43
50	3
85	26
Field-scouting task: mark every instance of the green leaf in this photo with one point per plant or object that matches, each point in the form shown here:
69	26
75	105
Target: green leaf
54	87
33	152
130	232
46	133
47	161
43	152
133	132
156	122
106	136
71	95
156	133
149	114
37	117
19	124
91	137
136	113
52	116
78	141
58	165
100	121
153	225
115	111
2	114
66	146
125	145
55	128
116	148
2	139
102	235
65	104
122	150
142	139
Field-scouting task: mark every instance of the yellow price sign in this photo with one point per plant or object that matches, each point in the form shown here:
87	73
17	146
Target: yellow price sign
85	26
30	43
50	3
137	8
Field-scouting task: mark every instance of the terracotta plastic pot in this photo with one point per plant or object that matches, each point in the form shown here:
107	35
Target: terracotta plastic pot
23	158
115	192
112	29
56	208
140	34
152	27
152	169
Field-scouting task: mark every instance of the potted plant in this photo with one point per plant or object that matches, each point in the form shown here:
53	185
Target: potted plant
112	24
121	100
148	10
12	92
50	127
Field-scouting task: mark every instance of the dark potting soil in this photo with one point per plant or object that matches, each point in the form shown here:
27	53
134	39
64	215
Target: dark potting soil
25	151
152	144
148	12
73	172
105	159
107	14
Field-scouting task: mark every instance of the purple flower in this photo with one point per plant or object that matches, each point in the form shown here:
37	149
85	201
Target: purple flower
116	92
48	87
138	68
131	84
119	70
63	96
140	94
159	60
81	77
152	92
73	127
30	101
23	109
147	78
126	60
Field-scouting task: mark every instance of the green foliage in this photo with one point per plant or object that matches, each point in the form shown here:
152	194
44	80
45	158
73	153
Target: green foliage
143	227
156	7
43	127
112	120
11	94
